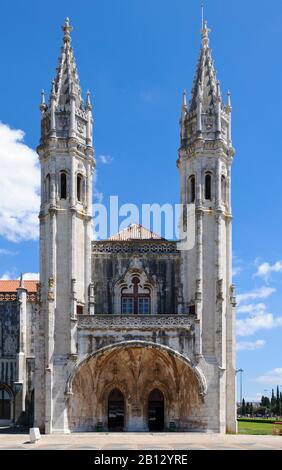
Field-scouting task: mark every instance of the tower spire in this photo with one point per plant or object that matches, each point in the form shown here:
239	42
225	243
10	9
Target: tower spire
206	115
67	80
65	116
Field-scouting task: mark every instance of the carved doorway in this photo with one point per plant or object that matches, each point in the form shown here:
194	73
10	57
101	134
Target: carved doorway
5	405
156	410
116	411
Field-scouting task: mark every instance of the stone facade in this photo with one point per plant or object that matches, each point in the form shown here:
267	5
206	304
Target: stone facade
18	316
132	333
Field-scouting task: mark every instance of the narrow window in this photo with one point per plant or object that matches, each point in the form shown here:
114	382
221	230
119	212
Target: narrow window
47	188
63	185
79	187
191	189
208	180
79	310
223	189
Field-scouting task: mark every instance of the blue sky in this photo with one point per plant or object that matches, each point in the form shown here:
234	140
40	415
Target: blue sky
136	56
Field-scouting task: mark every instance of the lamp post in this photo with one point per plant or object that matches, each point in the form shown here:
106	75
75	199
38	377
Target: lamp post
241	385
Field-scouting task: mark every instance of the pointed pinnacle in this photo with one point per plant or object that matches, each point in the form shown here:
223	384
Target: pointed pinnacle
43	104
229	106
184	99
88	101
205	34
67	29
53	91
21	281
218	92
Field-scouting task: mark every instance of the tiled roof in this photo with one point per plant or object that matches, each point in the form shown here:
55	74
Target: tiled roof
11	286
135	232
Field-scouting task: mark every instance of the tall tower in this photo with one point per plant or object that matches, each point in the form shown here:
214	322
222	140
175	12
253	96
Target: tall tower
66	159
205	159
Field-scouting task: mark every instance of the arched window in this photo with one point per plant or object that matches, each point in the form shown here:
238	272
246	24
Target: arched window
5	403
223	189
63	185
208	186
191	189
79	187
135	299
47	188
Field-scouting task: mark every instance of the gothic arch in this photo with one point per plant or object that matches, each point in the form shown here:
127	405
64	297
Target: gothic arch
201	380
6	388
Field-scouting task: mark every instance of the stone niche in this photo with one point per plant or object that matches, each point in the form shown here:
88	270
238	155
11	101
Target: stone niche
134	372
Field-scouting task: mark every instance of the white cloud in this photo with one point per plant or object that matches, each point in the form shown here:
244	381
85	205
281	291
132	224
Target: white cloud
105	159
261	293
251	308
236	271
260	320
19	187
3	252
98	196
273	377
9	275
250	345
30	276
265	270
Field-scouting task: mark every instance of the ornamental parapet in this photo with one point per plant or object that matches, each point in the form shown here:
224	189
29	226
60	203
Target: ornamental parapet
101	321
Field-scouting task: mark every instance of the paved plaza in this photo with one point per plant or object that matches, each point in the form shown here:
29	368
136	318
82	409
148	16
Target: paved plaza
141	441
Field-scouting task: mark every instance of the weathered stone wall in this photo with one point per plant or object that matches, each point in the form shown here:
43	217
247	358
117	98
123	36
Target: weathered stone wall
17	367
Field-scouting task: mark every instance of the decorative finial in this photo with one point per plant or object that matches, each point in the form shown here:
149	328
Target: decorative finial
229	106
53	90
88	101
21	281
43	104
67	29
205	34
218	92
184	99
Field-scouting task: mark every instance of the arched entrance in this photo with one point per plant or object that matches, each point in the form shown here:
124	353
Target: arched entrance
116	411
5	405
156	410
111	388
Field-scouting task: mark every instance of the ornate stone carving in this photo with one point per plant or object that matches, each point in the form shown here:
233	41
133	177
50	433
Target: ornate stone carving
114	247
134	321
51	281
219	289
233	295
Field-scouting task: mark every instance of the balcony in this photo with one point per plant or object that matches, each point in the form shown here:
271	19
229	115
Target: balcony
129	322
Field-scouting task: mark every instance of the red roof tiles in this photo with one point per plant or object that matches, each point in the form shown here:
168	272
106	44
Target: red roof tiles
11	286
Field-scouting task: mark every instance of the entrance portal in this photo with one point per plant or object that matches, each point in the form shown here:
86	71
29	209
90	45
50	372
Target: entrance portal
116	411
5	405
156	410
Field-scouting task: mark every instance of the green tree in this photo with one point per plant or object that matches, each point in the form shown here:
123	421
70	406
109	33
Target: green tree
272	402
243	409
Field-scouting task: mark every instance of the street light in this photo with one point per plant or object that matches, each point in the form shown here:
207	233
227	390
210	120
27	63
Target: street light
241	372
